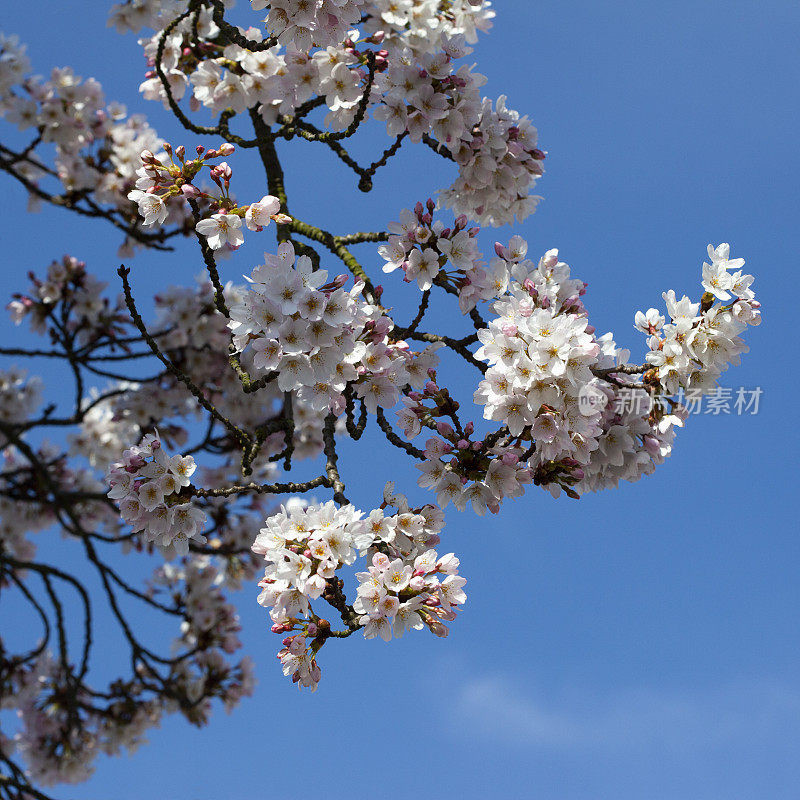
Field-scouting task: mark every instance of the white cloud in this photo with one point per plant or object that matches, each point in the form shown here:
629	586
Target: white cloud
742	713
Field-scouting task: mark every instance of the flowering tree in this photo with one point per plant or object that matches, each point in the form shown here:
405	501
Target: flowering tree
192	463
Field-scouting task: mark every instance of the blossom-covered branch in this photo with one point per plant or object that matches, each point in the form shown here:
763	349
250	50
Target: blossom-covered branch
207	441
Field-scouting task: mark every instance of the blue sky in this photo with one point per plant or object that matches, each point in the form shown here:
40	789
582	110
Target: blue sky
641	644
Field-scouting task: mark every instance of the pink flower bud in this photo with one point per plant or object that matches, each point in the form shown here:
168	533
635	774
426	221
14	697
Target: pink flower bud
226	149
444	428
510	459
651	445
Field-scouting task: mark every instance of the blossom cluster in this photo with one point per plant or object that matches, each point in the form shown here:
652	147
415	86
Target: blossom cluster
495	148
395	595
460	466
432	95
60	743
312	22
89	315
542	356
299	659
414	82
55	748
540	353
702	339
274	82
551	378
421	248
130	16
318	337
26	504
19	518
210	627
158	181
499	163
18	397
305	545
149	486
97	145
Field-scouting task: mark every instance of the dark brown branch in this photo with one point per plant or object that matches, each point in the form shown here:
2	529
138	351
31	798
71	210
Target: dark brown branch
241	436
331	467
394	439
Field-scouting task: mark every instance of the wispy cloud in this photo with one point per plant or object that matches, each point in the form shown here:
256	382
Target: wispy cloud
498	708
